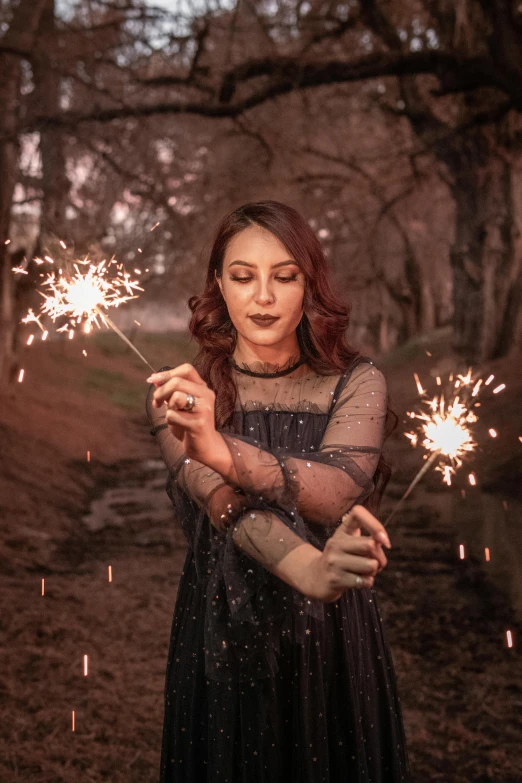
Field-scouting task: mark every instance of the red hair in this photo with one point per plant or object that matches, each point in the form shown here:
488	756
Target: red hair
321	333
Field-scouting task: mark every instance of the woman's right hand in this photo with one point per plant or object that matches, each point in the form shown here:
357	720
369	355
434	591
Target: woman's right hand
348	554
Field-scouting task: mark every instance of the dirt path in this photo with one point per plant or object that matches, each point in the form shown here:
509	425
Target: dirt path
461	688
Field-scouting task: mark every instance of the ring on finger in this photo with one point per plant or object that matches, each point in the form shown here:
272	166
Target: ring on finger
191	403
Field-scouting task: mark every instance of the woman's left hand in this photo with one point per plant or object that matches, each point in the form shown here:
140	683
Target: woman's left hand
196	428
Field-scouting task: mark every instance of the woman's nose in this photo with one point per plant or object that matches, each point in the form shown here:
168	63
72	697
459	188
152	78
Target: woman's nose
264	293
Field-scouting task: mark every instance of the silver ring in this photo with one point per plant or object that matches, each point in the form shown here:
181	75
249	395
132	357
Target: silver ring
190	403
358	581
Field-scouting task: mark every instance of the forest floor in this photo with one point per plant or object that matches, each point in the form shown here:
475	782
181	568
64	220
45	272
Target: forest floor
65	519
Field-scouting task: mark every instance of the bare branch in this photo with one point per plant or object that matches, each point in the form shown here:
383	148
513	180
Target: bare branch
286	75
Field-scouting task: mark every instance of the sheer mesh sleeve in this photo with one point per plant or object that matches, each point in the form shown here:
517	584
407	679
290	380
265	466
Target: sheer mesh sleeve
248	610
322	484
207	488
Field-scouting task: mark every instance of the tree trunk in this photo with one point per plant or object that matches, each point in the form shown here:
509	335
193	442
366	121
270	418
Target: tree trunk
55	183
17	42
9	100
486	269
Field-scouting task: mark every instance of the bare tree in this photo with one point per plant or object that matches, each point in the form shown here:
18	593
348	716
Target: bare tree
451	69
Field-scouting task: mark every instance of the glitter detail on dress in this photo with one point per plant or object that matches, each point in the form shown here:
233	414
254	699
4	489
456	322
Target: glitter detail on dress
260	679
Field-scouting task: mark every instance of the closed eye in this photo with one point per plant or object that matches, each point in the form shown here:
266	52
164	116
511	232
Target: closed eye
248	279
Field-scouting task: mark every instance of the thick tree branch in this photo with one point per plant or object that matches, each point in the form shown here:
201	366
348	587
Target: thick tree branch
286	75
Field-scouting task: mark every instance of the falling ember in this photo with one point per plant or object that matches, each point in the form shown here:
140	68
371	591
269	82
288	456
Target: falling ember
472	480
155	226
138	271
428	353
137	322
71	334
418	383
30	339
439	382
7	242
21	376
84	352
461	551
62	243
88	456
140	250
73	721
486	383
487	555
85	661
499	388
476	388
493	433
43	586
509	639
44	335
110	573
446	474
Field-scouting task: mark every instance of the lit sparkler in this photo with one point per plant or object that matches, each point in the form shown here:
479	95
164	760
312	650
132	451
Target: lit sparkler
446	428
82	293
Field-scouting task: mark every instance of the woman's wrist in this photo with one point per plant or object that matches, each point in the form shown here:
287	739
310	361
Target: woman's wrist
220	459
299	569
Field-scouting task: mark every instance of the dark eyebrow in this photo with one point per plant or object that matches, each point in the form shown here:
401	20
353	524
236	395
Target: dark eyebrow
280	263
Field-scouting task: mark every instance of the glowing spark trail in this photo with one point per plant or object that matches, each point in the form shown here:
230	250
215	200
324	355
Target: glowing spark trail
81	293
445	431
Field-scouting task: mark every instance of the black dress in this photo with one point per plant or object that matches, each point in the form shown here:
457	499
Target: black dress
264	685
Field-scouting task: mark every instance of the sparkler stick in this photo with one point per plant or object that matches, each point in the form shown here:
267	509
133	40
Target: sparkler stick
111	323
429	462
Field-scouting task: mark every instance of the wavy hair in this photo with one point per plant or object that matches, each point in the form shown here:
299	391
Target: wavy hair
321	333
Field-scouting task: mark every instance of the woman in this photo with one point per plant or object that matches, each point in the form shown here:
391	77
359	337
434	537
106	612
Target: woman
278	669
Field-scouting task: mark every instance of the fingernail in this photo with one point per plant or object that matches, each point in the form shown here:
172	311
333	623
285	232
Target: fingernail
149	379
384	538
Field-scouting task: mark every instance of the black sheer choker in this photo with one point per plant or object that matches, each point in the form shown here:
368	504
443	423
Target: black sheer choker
262	368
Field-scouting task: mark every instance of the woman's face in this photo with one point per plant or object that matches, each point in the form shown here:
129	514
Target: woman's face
260	278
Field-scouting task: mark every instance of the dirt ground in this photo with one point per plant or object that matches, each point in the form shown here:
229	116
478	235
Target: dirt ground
460	685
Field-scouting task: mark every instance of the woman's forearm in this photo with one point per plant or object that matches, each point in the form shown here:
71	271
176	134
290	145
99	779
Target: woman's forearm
220	460
265	538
